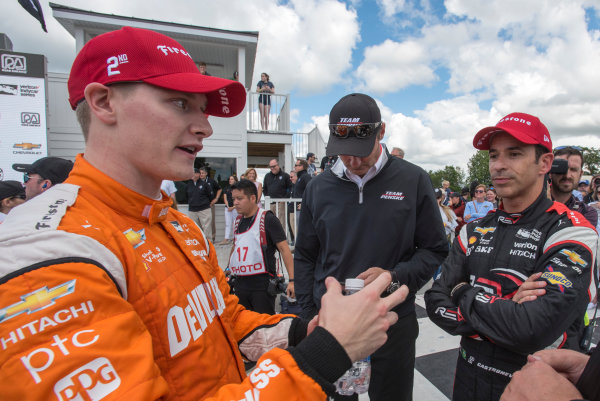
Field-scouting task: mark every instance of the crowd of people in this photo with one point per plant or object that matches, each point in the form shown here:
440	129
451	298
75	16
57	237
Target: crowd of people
108	292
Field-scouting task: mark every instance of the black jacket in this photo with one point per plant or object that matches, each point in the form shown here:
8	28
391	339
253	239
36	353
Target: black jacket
199	195
300	186
494	255
277	185
393	222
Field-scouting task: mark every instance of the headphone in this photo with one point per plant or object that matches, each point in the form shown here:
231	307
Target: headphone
45	185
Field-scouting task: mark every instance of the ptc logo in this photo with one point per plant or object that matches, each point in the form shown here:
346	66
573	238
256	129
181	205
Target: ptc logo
29	119
93	381
14	63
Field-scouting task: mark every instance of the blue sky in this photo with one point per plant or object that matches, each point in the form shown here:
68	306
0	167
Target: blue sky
439	69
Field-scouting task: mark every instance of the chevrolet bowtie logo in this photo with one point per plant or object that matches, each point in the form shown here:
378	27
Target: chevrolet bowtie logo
485	230
27	146
135	238
574	257
37	300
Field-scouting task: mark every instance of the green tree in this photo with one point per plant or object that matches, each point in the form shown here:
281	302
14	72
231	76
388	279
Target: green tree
592	160
455	175
479	167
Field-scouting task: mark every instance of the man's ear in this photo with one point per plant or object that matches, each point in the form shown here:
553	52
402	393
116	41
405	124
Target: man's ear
100	99
546	163
382	131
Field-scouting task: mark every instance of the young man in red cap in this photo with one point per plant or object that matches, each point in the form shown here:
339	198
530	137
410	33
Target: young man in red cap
517	280
368	215
108	293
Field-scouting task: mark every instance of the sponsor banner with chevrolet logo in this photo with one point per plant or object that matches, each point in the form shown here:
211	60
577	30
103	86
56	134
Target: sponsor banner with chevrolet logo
23	131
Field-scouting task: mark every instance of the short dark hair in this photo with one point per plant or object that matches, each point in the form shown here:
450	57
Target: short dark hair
569	151
247	187
304	163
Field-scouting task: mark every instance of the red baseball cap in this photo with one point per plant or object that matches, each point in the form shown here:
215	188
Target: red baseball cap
523	127
140	55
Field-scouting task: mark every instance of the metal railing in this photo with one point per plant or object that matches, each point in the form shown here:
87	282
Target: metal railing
279	112
287	211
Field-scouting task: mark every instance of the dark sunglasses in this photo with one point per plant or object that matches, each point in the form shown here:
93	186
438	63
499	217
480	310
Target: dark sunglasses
569	146
361	131
21	196
479	191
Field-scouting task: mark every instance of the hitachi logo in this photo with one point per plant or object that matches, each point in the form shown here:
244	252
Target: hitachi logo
346	120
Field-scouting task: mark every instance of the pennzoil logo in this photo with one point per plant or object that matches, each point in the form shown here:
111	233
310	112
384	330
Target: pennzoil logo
37	300
484	230
27	146
574	257
135	238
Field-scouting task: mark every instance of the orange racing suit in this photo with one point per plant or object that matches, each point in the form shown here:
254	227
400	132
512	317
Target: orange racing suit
107	294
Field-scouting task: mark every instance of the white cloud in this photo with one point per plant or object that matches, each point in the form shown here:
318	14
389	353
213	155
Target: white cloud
292	45
391	7
532	56
392	66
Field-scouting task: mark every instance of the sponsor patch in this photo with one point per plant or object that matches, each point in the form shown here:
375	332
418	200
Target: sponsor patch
135	238
484	230
574	257
37	300
393	195
558	279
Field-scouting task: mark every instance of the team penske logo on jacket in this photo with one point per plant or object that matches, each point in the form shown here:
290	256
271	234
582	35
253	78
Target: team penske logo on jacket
135	238
558	279
393	195
574	257
37	300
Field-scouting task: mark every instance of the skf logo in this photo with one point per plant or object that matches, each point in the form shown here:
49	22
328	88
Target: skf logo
484	230
14	63
30	119
135	238
27	146
37	300
558	279
393	195
93	382
574	257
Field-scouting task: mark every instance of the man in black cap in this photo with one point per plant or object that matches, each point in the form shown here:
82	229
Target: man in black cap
370	213
43	174
12	194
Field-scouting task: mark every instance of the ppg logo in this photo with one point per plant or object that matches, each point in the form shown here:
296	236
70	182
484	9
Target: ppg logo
30	119
91	382
14	63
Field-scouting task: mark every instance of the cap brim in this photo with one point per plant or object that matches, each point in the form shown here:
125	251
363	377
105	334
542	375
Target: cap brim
351	146
226	98
482	138
22	168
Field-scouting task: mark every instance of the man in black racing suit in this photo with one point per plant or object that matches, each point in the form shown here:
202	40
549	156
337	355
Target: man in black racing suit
517	280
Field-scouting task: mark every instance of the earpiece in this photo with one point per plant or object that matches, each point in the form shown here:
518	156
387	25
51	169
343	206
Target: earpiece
45	185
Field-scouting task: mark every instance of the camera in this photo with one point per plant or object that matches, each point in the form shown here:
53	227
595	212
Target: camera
276	285
559	166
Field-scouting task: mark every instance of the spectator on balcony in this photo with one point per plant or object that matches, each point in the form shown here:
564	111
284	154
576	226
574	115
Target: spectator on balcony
202	68
312	169
251	175
264	101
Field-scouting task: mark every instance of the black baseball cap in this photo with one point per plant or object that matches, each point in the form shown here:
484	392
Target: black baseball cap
309	155
50	168
10	188
353	109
